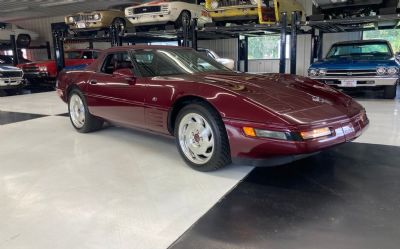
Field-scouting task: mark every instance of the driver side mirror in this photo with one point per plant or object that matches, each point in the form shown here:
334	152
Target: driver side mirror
125	73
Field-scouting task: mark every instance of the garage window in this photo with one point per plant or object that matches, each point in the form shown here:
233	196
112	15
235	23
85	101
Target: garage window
391	35
266	47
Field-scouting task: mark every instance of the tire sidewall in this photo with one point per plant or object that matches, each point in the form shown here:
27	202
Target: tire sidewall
77	92
205	113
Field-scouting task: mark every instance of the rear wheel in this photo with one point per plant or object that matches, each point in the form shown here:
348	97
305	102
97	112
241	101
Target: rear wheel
117	22
184	17
79	114
201	138
23	41
390	92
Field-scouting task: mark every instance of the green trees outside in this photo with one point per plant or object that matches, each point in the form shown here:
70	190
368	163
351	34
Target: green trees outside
391	35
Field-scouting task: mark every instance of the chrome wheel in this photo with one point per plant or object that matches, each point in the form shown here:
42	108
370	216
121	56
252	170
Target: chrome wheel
77	111
196	138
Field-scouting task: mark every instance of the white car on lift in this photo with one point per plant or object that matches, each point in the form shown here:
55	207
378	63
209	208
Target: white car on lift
229	63
22	36
165	12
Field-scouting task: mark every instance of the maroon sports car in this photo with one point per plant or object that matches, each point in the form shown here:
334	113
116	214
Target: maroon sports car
216	115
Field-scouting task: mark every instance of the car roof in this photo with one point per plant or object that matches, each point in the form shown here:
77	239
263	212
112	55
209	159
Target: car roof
125	48
361	42
80	50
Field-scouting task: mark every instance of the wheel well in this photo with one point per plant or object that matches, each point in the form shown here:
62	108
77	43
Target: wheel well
69	90
179	104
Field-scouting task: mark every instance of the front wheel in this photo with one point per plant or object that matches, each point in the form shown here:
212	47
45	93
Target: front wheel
184	17
79	114
201	138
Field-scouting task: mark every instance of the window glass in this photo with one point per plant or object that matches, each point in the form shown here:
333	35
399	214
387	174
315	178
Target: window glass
163	62
266	47
87	55
73	55
390	35
116	61
360	50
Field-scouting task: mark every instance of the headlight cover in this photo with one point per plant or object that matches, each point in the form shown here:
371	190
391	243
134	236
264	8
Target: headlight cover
42	68
71	19
392	70
97	16
313	72
316	133
381	71
254	2
214	4
252	132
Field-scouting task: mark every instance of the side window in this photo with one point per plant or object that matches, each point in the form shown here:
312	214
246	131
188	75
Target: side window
152	63
87	55
95	55
116	61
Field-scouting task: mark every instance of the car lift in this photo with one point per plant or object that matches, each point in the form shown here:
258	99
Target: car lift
189	34
15	49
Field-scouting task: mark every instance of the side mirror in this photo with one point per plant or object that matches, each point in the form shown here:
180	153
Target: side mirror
397	56
125	73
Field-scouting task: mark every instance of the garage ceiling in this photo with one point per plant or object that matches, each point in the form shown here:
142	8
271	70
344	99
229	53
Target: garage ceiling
11	10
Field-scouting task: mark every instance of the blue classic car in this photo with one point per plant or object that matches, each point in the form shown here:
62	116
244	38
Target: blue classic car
359	64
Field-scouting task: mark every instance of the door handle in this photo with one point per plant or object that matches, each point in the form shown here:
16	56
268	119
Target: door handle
93	82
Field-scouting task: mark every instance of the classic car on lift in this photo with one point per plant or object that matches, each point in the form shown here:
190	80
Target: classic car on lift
164	12
330	9
45	72
229	63
23	36
215	114
263	11
98	19
359	64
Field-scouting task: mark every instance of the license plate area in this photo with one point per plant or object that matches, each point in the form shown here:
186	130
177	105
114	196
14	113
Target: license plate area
81	25
348	83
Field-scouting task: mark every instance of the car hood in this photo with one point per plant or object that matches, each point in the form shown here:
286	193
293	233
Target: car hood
353	64
37	63
4	68
297	99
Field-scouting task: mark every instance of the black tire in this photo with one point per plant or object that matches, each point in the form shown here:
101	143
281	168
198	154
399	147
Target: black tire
183	17
23	41
118	22
389	92
221	156
91	122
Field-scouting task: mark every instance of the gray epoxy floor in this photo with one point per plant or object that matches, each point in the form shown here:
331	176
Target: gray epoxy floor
119	188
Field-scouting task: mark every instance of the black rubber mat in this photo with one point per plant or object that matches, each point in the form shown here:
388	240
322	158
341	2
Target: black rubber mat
13	117
344	198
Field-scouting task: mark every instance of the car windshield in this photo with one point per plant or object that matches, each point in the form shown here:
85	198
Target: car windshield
163	62
362	51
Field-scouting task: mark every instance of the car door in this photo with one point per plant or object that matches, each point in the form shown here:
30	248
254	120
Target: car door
117	98
160	89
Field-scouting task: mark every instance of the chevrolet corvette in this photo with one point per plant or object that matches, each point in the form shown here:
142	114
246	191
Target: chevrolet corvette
217	116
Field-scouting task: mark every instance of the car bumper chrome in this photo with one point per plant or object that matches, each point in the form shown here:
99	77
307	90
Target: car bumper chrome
361	81
159	18
11	83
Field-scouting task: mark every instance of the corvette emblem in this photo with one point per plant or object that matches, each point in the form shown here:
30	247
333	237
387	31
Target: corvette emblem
319	100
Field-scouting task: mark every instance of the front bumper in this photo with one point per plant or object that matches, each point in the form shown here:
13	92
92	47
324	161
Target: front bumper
160	18
361	81
11	83
234	13
88	26
272	152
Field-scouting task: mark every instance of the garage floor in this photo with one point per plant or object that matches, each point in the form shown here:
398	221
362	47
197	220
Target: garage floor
61	189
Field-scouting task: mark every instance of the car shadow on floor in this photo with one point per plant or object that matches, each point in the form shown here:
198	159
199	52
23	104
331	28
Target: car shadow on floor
346	197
